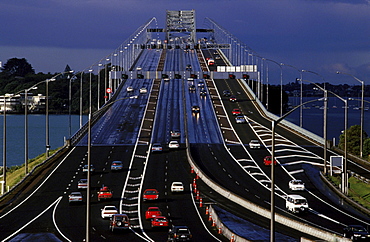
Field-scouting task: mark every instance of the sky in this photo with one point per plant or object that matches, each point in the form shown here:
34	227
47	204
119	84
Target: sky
322	36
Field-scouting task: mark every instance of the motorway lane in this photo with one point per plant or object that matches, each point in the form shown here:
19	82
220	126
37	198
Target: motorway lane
283	178
202	127
148	60
122	115
162	170
102	159
169	112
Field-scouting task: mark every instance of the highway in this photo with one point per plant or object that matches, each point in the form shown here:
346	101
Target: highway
216	142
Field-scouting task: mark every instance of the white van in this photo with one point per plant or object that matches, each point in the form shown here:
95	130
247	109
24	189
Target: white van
296	204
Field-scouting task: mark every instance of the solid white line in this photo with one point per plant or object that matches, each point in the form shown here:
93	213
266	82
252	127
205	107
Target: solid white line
39	186
200	217
7	238
54	221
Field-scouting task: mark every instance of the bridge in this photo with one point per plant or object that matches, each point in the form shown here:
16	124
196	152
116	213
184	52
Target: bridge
174	79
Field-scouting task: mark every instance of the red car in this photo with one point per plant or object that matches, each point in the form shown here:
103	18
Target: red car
150	194
159	221
267	161
236	111
104	193
152	212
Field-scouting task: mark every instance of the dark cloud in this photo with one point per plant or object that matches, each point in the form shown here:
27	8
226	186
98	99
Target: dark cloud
311	34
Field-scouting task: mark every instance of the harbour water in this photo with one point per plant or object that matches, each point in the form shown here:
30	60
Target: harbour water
313	116
59	127
15	138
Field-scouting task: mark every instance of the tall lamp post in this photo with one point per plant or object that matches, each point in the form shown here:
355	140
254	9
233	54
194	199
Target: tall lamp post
344	174
3	190
26	125
325	120
272	194
281	84
362	108
301	96
47	110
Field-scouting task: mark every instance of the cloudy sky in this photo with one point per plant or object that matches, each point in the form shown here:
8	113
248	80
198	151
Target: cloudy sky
322	36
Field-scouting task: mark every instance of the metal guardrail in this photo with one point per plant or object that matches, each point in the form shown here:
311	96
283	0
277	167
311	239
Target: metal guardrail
287	125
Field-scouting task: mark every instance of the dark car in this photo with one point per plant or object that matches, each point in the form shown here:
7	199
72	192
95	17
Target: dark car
179	233
356	232
191	88
202	92
195	109
119	222
226	93
232	99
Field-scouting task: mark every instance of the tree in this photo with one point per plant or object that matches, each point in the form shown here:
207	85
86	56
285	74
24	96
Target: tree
366	150
353	139
17	67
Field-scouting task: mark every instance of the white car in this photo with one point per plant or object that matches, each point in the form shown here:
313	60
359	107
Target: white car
75	197
143	90
254	144
173	144
82	184
157	147
175	134
296	185
108	211
296	204
240	119
177	187
130	89
139	68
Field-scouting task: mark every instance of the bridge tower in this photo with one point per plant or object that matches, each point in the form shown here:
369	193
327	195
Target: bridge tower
181	24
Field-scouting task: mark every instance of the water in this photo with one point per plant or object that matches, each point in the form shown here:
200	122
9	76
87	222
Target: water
313	116
15	140
59	127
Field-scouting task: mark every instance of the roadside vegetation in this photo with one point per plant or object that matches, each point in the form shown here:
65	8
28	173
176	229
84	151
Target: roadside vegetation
15	174
358	191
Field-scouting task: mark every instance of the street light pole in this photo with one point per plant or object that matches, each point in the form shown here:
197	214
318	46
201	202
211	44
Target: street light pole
4	149
272	194
362	109
301	96
88	165
281	84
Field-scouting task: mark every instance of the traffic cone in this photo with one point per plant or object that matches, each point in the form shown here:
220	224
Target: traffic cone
213	223
192	170
210	217
232	239
194	182
207	210
197	197
219	230
201	202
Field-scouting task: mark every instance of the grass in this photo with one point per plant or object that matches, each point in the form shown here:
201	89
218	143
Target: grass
16	173
358	191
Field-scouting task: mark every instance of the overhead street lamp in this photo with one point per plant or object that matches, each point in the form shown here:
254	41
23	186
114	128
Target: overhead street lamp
88	192
301	96
325	125
362	108
272	194
281	83
3	190
26	124
47	110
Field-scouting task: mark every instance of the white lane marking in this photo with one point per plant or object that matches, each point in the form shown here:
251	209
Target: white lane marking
55	223
39	185
16	232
